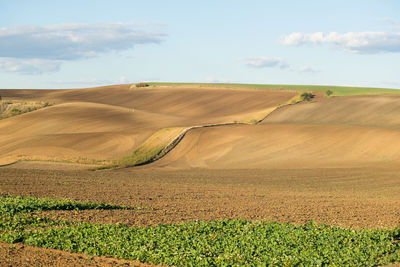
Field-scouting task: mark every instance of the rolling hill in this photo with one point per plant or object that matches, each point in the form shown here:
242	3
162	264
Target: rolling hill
106	123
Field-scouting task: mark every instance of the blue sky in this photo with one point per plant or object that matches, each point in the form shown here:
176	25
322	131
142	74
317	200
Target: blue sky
71	44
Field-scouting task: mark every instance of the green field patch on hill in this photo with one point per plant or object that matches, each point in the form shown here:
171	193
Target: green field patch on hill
336	90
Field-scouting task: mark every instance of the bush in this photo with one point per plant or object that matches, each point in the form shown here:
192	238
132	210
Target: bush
307	96
328	93
16	111
142	85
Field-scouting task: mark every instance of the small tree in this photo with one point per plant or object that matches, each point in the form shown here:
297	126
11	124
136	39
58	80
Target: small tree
141	84
306	96
328	93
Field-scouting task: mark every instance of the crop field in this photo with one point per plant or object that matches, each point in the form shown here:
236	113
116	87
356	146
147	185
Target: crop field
207	217
200	175
199	243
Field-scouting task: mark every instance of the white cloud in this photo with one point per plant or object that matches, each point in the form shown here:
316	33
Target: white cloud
218	80
72	41
387	20
95	81
123	80
275	62
354	42
307	69
53	44
394	25
266	62
392	84
29	66
91	81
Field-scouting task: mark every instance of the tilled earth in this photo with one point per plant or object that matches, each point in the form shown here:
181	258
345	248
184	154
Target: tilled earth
357	198
22	255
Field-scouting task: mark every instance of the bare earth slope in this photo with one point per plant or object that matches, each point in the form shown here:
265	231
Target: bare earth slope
377	111
75	129
333	132
110	122
107	123
284	146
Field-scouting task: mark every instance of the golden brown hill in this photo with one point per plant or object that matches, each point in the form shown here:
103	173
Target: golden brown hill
110	122
284	146
379	111
195	105
326	132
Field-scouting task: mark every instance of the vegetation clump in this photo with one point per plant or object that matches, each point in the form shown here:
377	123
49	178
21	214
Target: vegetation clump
328	93
17	204
226	242
307	96
150	150
15	107
142	84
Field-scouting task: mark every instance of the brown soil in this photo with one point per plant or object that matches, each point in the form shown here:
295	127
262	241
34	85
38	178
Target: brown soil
346	197
369	110
22	255
352	197
291	146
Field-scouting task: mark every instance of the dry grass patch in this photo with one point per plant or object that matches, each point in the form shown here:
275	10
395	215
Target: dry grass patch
304	96
259	116
152	149
9	108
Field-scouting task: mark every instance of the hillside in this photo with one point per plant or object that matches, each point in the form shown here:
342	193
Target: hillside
325	132
108	123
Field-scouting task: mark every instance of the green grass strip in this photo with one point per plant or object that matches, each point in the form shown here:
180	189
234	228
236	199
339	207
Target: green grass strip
337	90
149	150
215	243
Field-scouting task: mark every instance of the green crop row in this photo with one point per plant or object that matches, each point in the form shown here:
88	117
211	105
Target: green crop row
215	243
16	204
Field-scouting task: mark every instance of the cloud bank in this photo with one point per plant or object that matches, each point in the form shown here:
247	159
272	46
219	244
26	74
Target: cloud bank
266	62
29	66
34	49
275	62
353	42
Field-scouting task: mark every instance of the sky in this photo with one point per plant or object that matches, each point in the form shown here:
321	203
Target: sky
75	44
